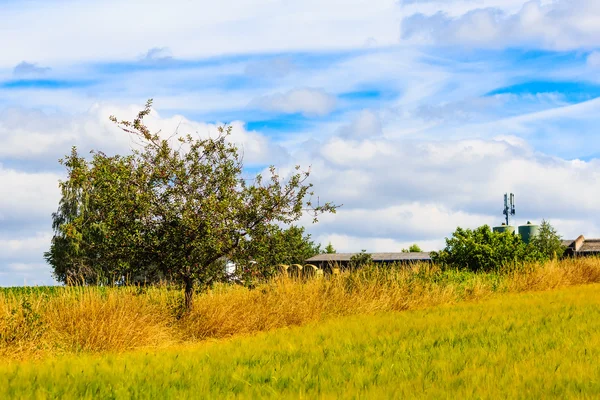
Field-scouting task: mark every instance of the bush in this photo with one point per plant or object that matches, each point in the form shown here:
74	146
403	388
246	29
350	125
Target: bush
360	260
483	250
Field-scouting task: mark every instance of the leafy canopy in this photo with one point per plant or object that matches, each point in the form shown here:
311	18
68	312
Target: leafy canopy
481	249
174	207
414	248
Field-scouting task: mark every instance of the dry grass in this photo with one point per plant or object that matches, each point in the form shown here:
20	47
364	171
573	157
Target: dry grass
91	319
81	319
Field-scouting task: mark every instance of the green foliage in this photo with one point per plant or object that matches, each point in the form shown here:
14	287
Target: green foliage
483	250
101	225
360	260
328	249
173	208
547	242
412	249
272	247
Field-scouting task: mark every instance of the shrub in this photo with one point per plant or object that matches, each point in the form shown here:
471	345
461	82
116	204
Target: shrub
360	260
483	250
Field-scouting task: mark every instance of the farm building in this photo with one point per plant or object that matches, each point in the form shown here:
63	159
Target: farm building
343	259
582	247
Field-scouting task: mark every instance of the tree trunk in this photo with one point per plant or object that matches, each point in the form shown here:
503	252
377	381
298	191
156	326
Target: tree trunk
189	292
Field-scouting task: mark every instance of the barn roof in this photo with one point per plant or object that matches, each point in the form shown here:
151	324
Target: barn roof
590	245
567	243
377	257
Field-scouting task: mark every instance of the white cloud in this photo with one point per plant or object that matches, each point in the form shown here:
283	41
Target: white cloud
25	248
558	25
157	54
396	191
593	59
26	274
307	101
366	124
116	29
43	138
407	191
272	68
415	146
27	196
21	261
25	68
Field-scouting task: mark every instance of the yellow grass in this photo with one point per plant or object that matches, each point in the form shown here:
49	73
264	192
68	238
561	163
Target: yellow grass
90	319
538	345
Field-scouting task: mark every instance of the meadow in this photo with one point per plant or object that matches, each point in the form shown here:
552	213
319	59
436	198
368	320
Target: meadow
37	323
526	345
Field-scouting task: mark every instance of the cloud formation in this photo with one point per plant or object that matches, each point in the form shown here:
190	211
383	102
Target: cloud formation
307	101
420	191
557	25
415	133
25	68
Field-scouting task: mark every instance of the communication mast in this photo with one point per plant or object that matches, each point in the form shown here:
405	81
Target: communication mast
509	207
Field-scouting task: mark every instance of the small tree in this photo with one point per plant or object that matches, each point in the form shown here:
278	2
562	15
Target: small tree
412	249
360	260
178	207
547	242
328	249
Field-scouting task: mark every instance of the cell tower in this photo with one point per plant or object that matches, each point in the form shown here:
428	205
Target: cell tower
509	207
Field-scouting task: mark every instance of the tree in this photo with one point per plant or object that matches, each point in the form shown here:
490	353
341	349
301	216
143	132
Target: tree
360	260
328	249
93	243
177	207
414	248
547	242
483	250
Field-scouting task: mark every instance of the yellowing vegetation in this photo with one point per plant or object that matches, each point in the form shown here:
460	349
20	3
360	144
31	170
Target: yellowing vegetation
43	322
528	345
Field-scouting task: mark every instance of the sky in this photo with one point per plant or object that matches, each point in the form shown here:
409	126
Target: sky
416	115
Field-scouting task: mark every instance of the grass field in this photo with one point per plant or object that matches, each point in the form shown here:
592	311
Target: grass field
38	323
527	345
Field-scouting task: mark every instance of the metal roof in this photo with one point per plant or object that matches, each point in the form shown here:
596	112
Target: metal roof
590	245
567	243
378	257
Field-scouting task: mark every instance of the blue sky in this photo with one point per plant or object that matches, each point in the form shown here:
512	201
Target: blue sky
416	115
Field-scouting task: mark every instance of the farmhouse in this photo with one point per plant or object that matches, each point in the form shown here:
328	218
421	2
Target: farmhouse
343	259
582	247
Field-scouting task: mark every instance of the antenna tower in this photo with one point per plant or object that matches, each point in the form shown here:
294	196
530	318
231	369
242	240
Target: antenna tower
509	207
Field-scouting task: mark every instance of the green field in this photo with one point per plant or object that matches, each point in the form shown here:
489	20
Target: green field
531	345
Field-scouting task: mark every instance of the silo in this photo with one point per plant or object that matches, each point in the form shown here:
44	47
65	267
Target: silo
504	228
528	231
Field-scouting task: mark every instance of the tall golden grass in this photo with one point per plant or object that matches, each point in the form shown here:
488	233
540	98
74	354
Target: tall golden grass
94	319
